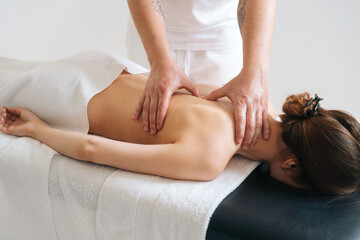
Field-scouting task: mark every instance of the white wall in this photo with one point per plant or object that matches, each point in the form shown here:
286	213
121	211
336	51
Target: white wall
49	29
316	48
316	44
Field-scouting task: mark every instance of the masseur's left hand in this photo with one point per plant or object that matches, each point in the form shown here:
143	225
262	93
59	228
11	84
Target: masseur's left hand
248	93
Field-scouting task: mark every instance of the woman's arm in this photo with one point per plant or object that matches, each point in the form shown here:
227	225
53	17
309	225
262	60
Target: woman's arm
174	160
180	160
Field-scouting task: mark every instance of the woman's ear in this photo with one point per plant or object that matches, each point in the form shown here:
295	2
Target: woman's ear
289	163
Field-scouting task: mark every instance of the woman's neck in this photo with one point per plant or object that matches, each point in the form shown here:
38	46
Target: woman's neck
266	150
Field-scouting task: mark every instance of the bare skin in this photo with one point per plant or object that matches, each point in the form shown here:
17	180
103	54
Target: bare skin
196	142
248	91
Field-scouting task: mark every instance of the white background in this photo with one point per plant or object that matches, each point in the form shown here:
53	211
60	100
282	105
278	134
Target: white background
316	43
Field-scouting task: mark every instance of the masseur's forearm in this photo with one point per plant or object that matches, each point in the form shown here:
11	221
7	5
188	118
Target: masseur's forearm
149	22
256	20
68	143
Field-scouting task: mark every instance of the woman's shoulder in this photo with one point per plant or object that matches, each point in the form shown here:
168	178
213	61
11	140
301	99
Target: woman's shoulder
210	131
205	114
209	123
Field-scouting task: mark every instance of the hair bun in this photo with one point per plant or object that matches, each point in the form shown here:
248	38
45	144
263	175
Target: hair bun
294	106
325	143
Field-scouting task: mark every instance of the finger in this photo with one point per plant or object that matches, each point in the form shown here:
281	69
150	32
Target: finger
7	122
12	113
8	117
11	116
193	88
14	110
250	128
162	109
3	112
139	108
5	119
258	127
219	93
240	122
145	114
153	113
2	121
266	125
3	125
3	128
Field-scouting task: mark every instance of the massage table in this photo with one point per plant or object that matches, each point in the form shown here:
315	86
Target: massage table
45	195
262	208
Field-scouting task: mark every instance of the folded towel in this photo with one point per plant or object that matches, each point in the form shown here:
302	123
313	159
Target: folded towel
74	188
24	205
88	201
158	208
97	202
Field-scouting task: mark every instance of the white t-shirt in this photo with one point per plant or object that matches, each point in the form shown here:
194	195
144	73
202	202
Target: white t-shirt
201	24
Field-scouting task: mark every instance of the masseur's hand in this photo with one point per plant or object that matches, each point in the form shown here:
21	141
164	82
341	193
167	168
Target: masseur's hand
19	121
249	95
163	81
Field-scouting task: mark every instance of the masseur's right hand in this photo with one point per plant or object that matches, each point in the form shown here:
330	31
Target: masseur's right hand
164	79
165	76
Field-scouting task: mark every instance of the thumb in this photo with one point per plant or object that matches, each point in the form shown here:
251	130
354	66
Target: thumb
193	88
14	110
214	95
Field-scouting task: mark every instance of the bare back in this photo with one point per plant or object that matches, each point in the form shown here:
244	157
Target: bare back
111	110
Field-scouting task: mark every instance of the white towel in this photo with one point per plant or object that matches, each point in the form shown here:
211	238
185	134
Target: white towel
159	208
58	92
97	202
24	205
88	201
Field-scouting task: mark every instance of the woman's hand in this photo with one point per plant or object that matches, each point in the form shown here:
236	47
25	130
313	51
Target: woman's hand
19	121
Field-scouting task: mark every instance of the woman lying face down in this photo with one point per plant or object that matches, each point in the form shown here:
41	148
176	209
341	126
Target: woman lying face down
312	148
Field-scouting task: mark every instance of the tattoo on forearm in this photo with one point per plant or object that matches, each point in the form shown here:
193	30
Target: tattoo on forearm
241	13
157	6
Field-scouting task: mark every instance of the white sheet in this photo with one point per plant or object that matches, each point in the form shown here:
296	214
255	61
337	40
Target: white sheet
46	196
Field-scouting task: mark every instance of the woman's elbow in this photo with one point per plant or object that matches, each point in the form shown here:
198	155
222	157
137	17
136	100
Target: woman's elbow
209	168
86	151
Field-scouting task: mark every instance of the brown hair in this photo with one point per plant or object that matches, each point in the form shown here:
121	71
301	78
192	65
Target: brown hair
325	144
